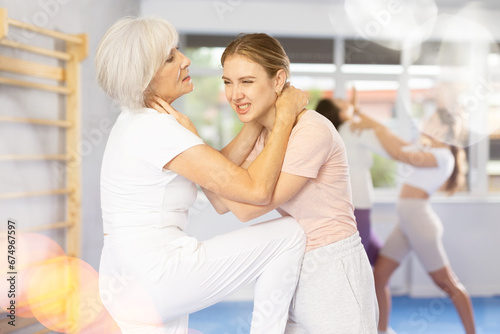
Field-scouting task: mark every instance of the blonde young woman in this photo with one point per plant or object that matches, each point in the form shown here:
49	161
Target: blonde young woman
153	274
433	164
335	293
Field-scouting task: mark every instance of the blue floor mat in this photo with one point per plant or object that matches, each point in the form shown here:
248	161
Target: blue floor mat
409	316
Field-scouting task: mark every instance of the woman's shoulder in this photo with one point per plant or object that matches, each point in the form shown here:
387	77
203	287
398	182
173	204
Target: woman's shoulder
150	125
314	125
312	118
146	114
313	122
147	119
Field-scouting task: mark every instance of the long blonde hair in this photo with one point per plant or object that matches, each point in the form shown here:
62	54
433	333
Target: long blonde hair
261	49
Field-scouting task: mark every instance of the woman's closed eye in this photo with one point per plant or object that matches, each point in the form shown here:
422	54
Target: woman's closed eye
171	56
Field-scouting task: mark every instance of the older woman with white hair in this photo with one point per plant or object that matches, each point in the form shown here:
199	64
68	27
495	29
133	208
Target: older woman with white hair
153	274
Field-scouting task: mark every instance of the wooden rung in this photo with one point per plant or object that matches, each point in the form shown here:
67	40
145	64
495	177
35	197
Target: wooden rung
47	32
12	157
35	193
25	67
28	84
53	226
37	121
35	49
4	26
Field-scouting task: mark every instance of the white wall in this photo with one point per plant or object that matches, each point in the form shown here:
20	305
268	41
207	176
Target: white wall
471	229
93	17
315	17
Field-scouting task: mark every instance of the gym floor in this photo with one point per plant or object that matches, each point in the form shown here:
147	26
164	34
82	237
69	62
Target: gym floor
409	316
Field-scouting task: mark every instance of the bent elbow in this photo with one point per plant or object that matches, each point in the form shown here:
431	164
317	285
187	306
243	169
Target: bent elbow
262	197
221	211
244	217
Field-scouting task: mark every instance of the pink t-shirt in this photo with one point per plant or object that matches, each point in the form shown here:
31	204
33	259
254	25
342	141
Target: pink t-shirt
323	207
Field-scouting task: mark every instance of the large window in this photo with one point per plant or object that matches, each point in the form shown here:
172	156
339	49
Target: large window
493	121
398	86
378	98
311	68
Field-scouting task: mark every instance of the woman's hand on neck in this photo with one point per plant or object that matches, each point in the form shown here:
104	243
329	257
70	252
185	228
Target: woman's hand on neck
270	119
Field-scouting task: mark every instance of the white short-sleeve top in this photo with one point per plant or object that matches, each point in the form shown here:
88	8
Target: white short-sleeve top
429	179
135	188
360	148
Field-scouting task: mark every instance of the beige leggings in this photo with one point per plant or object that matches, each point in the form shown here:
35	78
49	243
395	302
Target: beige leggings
419	229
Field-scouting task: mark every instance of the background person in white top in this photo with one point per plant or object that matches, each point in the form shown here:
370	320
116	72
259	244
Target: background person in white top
360	148
152	274
435	163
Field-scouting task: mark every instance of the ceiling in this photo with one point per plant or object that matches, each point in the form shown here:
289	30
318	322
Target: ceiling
493	4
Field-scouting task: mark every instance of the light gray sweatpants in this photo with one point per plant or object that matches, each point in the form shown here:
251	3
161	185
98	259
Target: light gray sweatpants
336	292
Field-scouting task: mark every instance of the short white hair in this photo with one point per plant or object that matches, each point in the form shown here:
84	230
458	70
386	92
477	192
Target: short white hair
130	54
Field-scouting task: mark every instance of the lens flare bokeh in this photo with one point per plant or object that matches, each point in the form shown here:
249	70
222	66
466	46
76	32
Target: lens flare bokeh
408	22
31	251
61	292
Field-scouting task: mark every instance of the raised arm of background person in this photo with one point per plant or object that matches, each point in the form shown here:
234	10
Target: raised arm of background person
367	139
394	145
211	170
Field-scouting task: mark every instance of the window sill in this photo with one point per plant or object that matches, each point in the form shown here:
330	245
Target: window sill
390	196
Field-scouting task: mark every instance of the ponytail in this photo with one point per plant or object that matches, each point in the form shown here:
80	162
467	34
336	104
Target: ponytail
456	180
330	110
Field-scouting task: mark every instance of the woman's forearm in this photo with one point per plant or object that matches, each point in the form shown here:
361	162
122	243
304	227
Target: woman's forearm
216	201
267	166
210	169
240	147
265	169
391	143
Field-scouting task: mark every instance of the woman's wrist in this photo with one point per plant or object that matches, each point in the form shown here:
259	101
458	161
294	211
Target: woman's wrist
284	121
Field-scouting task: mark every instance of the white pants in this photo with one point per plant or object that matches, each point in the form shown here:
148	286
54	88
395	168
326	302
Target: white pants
419	228
336	292
151	279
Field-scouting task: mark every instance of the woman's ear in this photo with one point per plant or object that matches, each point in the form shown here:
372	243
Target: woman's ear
280	81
